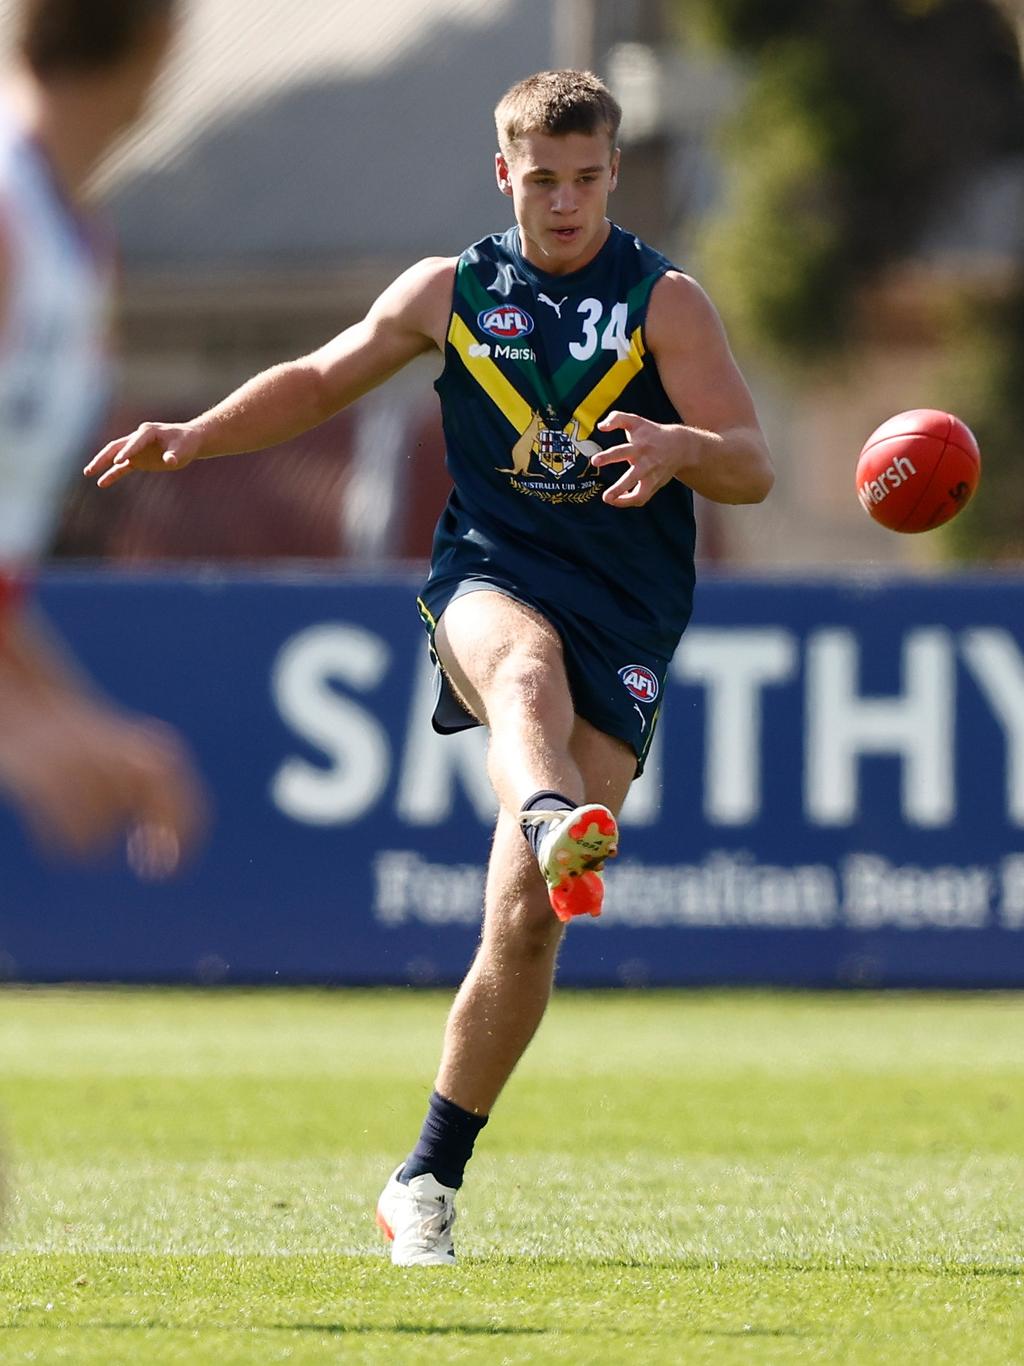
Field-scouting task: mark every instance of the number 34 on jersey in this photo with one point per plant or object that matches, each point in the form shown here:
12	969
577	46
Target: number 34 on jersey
608	332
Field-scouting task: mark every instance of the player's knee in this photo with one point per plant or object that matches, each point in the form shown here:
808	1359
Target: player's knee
527	936
526	679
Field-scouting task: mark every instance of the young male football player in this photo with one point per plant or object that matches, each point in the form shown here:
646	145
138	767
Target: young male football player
587	392
79	770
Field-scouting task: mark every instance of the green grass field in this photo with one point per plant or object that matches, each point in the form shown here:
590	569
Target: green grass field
678	1177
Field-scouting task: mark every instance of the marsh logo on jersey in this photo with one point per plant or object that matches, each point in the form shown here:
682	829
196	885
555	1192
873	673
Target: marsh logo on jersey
504	322
640	682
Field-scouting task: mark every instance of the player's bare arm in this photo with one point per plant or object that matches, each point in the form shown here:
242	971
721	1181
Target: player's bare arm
408	319
719	450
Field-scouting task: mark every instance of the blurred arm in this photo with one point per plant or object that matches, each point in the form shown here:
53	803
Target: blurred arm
82	772
33	658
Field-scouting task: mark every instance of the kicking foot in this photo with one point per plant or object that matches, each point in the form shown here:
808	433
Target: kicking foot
571	854
418	1220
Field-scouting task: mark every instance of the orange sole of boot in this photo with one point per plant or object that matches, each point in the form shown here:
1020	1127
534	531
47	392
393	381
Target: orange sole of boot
605	822
581	895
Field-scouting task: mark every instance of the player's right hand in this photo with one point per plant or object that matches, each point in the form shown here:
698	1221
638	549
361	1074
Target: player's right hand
152	446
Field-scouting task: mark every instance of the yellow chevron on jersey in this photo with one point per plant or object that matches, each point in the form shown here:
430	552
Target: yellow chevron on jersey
496	385
512	404
533	362
606	391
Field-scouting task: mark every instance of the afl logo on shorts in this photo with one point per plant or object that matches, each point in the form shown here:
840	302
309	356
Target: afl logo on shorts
640	682
505	322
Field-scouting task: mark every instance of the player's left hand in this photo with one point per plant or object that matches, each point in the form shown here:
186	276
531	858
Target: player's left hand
653	452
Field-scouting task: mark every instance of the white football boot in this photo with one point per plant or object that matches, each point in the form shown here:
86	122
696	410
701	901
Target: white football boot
418	1220
571	854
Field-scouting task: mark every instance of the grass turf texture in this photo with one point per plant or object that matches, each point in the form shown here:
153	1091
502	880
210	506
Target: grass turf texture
670	1177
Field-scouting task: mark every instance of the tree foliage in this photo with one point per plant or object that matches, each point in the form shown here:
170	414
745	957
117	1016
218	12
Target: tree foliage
986	382
860	120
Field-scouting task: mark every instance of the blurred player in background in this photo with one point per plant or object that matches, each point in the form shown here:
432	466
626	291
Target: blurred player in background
562	573
80	772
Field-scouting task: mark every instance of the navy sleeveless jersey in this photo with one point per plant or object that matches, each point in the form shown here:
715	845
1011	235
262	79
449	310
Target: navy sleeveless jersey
532	363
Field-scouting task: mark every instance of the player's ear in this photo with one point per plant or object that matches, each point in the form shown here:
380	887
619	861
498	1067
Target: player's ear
613	178
502	173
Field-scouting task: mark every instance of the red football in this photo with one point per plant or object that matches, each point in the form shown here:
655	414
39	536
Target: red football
918	470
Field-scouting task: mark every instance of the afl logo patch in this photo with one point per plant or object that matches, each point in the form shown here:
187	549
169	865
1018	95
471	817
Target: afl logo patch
505	322
640	682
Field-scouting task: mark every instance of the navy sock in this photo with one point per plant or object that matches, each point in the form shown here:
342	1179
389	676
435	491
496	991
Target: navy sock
543	801
445	1143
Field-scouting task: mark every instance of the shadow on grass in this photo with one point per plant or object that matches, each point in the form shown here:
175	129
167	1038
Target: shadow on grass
483	1330
426	1329
739	1264
752	1332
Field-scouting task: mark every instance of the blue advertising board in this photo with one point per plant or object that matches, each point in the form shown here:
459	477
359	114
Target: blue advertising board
835	795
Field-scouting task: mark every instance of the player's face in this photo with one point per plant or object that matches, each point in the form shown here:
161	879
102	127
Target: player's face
560	187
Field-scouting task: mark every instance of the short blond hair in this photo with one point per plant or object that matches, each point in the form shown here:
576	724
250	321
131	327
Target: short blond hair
556	102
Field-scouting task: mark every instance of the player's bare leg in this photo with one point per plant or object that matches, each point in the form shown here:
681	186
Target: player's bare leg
505	662
506	991
521	688
493	1018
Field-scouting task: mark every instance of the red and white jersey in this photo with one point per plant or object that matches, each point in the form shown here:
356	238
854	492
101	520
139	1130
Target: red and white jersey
53	359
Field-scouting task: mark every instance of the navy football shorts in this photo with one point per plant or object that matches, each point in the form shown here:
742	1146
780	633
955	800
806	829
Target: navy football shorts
614	685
